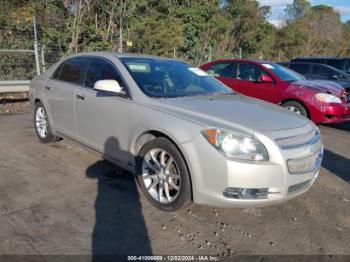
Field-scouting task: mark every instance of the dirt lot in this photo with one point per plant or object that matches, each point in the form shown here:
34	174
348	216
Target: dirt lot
62	199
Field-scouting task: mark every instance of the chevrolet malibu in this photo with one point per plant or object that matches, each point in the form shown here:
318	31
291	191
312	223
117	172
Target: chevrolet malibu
185	135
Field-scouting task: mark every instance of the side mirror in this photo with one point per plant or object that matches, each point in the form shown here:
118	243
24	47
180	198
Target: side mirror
335	77
111	86
265	79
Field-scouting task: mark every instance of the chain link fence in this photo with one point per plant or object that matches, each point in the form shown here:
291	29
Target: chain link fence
17	64
22	55
17	57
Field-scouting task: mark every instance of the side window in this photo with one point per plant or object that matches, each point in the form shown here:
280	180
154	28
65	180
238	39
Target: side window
249	72
336	63
73	70
323	72
224	69
57	72
100	69
302	69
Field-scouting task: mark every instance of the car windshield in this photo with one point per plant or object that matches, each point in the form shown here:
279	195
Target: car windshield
347	67
167	78
340	74
284	73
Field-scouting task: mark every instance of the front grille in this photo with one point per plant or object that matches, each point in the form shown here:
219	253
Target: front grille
308	164
302	140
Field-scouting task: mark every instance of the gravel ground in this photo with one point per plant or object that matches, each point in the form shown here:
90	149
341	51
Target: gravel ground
61	199
14	103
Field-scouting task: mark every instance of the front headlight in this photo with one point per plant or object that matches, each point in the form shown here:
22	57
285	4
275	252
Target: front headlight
236	145
327	98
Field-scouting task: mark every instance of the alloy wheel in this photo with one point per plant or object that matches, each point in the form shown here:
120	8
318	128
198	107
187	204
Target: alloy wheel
161	176
294	109
41	123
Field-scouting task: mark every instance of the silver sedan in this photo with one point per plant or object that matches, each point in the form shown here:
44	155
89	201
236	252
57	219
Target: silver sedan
186	136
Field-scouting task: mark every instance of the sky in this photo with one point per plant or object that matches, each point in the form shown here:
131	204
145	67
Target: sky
341	6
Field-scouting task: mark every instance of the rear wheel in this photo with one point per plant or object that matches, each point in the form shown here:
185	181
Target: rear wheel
163	176
295	107
42	126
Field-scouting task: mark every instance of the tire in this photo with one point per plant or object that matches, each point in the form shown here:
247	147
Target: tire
167	185
42	125
296	107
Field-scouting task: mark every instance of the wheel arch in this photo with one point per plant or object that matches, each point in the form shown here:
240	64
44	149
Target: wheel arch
298	101
150	135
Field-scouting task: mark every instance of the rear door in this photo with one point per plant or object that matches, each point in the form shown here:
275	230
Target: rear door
247	83
224	71
59	91
103	118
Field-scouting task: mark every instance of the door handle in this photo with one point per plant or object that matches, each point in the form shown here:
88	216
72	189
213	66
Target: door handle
80	97
48	88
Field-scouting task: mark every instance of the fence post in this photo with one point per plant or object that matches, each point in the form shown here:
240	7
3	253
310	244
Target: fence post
43	64
120	35
36	48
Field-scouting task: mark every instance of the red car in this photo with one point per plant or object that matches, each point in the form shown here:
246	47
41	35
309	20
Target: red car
321	101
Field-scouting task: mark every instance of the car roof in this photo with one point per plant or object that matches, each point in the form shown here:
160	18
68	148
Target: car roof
311	63
318	64
243	60
121	55
321	57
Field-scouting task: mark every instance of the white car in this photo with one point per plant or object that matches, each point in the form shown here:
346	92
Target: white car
185	135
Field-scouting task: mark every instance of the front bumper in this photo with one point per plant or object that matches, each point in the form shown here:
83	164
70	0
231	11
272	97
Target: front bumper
332	113
213	174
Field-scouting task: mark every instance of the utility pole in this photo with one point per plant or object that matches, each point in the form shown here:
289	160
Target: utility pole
240	53
120	35
36	47
209	53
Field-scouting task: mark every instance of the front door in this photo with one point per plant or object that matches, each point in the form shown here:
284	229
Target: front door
248	83
103	118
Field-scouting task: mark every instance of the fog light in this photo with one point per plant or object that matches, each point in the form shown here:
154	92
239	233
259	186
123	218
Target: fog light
245	193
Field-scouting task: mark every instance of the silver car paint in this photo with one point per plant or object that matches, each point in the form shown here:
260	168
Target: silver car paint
131	121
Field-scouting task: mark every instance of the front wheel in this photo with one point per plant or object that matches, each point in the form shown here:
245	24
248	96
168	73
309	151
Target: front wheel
42	126
295	107
163	176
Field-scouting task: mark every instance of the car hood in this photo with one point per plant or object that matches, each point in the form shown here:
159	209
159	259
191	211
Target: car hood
232	111
320	86
345	84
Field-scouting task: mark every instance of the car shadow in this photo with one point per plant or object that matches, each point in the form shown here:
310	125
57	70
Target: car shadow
119	228
337	164
342	126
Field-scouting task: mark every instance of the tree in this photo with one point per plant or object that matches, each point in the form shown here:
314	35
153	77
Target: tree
297	10
195	31
347	36
248	30
325	32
